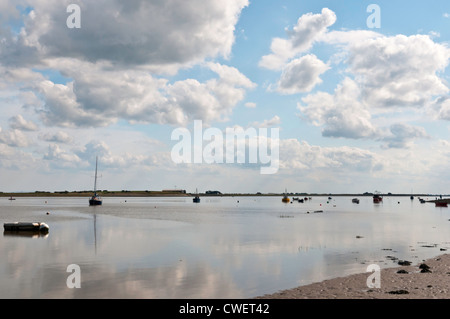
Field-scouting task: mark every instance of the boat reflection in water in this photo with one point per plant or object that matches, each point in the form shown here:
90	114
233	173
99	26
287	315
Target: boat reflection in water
441	203
29	234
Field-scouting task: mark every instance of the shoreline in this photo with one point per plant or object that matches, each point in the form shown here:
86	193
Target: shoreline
146	193
429	279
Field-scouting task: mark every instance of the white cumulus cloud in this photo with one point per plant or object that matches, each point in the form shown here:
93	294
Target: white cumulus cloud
308	29
301	75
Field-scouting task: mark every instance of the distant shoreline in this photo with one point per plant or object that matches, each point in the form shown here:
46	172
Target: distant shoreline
126	193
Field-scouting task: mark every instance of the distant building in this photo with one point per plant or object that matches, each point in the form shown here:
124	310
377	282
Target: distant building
213	193
176	191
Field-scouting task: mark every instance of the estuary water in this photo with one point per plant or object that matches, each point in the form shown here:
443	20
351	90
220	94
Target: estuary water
222	247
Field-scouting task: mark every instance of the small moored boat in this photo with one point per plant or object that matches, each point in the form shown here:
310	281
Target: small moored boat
196	199
355	200
285	198
28	227
95	200
441	204
377	199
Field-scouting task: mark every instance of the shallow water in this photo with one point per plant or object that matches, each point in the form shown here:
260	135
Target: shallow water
223	247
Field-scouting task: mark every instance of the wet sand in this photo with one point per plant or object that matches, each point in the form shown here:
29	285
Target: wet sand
402	282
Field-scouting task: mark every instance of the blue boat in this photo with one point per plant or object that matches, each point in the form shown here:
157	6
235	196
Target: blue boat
196	199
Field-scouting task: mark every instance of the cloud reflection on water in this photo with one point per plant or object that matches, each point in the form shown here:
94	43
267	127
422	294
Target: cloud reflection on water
218	250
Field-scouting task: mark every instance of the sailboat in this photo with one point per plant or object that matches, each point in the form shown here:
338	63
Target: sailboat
196	199
285	198
95	200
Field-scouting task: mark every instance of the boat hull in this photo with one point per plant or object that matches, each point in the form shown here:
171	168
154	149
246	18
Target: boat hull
95	202
26	227
377	199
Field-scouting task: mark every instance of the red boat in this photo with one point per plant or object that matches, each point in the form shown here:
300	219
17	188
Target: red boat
441	204
377	199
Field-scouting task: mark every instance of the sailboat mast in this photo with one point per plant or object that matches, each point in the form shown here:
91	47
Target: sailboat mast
95	200
95	182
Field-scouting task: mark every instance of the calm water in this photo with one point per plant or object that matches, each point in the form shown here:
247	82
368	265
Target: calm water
223	247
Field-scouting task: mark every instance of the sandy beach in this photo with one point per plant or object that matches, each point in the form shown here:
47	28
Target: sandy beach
429	279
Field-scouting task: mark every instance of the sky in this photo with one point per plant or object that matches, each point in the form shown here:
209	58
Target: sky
353	94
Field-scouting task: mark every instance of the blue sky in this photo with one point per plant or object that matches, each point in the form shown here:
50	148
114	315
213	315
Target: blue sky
358	108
